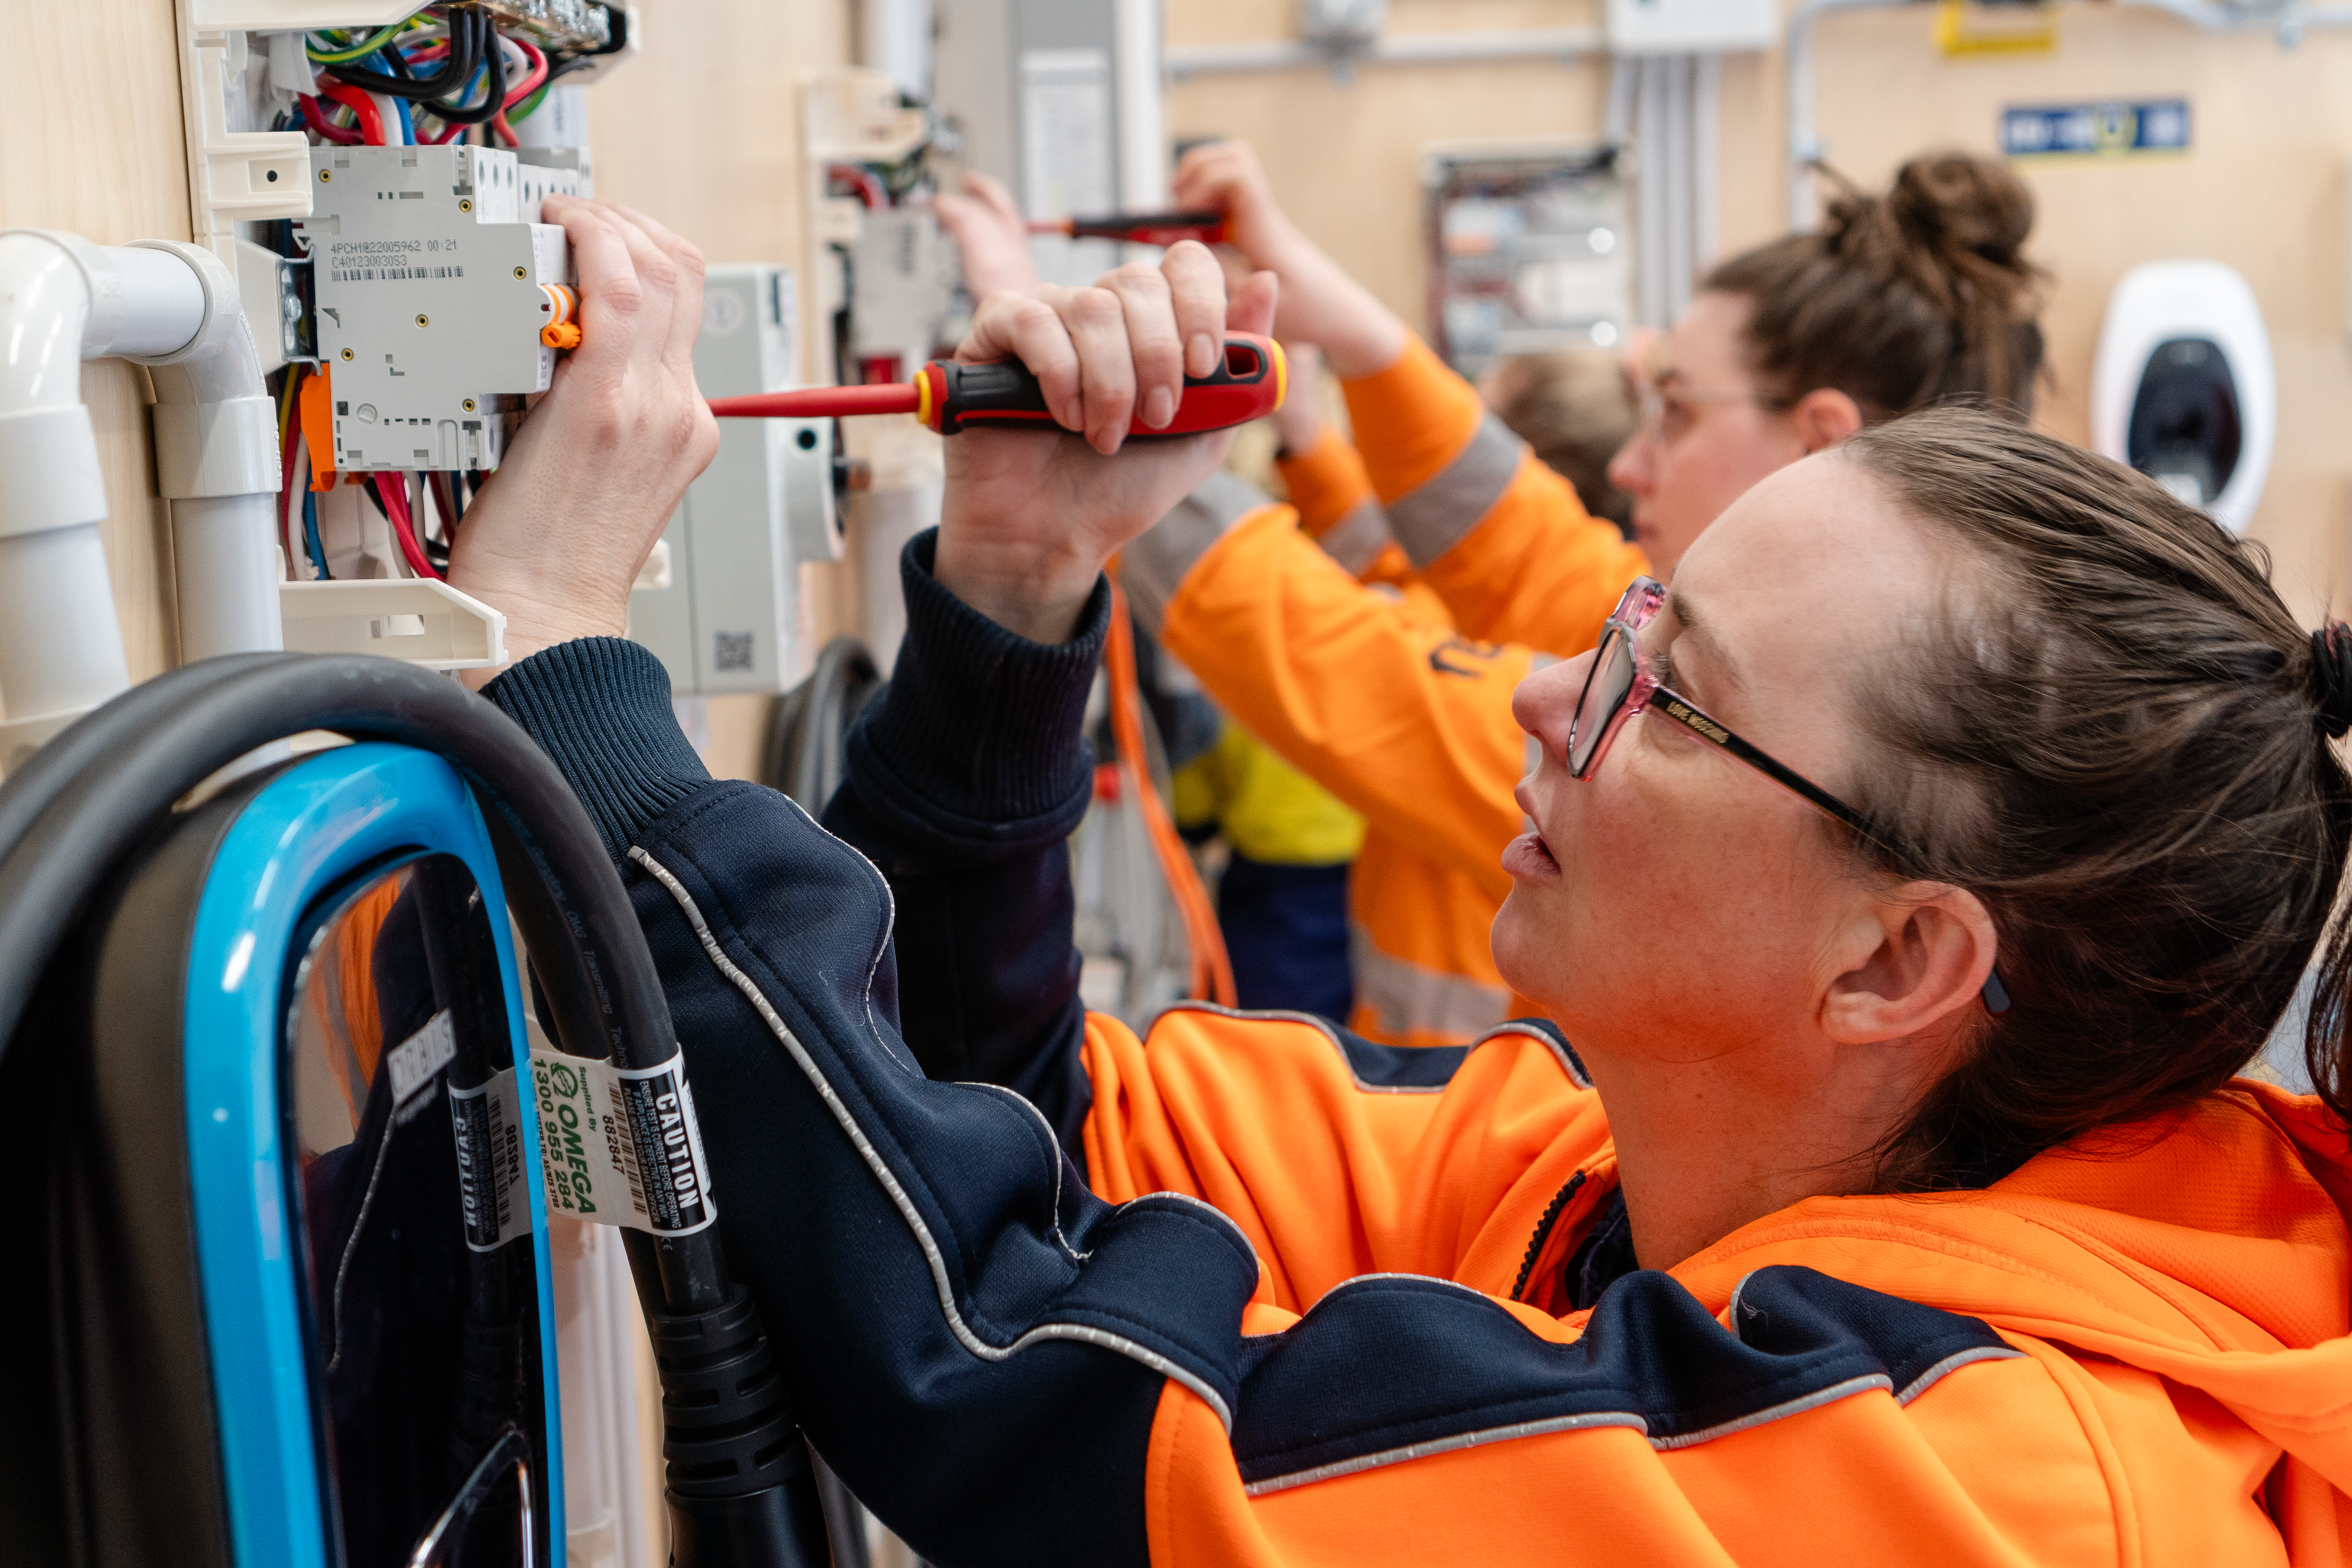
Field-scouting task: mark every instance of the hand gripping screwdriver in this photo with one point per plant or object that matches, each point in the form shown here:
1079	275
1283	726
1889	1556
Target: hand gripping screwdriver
1247	383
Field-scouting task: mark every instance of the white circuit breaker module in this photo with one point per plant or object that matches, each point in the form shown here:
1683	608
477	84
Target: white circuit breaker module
434	287
727	615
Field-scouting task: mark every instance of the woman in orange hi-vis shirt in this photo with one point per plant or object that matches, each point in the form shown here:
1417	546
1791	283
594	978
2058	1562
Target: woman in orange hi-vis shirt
1911	878
1900	301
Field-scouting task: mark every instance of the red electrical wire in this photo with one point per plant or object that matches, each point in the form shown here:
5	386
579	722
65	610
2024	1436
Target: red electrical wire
530	83
361	104
318	120
285	473
869	189
394	489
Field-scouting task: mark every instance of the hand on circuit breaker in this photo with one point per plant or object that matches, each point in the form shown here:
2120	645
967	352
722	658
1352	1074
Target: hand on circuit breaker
557	534
990	235
1321	303
1027	524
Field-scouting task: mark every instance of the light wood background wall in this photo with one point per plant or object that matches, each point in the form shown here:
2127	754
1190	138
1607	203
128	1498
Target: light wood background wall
2263	188
91	141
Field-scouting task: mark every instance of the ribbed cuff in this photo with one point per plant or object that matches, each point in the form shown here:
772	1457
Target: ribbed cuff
978	722
600	708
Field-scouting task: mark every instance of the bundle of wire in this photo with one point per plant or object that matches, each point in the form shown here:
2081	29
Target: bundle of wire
450	492
429	79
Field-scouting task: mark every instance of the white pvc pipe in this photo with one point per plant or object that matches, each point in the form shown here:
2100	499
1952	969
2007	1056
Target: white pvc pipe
60	641
225	564
216	462
174	307
1467	47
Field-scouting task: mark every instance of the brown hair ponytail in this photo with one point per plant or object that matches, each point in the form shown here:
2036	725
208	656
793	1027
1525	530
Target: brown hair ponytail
2118	738
1904	299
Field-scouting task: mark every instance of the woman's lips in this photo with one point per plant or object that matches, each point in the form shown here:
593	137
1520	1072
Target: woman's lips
1528	858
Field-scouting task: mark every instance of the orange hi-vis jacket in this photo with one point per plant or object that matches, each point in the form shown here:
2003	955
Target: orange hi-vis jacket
2132	1350
1402	716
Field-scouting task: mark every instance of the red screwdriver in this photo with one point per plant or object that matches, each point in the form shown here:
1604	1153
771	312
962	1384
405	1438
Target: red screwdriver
1247	384
1139	228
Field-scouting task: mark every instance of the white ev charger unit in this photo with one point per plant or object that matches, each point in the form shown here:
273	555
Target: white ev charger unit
2183	389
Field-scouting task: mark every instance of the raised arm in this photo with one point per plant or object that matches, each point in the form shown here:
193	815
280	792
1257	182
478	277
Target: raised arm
1500	537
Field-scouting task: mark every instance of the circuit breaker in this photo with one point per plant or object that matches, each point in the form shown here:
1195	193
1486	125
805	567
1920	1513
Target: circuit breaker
729	618
432	284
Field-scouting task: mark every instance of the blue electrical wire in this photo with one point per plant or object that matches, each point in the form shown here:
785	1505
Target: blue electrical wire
407	125
310	535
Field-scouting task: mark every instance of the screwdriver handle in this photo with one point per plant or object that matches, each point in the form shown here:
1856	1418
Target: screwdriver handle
1247	383
1207	226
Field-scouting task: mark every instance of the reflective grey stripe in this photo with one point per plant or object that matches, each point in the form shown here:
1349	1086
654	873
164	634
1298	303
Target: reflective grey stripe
1568	1062
1448	1444
1430	518
1406	996
1355	541
1151	568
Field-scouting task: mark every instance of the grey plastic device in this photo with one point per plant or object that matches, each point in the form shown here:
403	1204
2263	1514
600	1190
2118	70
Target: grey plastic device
426	266
731	618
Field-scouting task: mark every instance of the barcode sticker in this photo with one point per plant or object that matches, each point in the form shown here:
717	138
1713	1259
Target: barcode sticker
620	1146
391	274
490	1184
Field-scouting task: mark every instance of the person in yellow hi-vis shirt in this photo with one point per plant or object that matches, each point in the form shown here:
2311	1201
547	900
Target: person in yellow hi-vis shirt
1897	303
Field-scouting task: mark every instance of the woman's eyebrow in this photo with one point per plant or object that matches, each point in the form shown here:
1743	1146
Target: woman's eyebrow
1691	622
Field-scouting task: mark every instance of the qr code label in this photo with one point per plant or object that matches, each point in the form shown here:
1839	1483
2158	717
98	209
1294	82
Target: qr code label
730	650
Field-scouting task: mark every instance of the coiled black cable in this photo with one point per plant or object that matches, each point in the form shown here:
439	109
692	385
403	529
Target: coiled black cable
70	814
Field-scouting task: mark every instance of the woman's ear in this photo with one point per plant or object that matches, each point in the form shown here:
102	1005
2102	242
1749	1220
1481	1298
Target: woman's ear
1823	417
1935	946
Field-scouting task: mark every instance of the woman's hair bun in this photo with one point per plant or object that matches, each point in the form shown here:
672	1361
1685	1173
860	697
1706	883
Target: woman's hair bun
1959	202
1954	223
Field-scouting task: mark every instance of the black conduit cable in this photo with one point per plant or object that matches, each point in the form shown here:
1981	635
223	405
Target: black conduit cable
740	1487
449	80
494	97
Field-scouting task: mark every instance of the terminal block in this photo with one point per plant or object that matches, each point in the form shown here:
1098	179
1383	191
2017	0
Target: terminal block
436	295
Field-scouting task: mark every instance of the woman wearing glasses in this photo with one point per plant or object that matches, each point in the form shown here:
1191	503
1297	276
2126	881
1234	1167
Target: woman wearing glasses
1897	303
1911	877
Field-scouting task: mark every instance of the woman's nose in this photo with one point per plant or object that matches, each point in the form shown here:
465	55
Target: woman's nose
1633	469
1544	704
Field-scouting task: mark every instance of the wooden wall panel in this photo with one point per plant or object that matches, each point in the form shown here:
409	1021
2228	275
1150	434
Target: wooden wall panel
90	140
1345	157
2263	188
702	131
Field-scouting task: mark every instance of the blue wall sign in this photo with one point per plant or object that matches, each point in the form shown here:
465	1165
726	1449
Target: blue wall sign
2095	130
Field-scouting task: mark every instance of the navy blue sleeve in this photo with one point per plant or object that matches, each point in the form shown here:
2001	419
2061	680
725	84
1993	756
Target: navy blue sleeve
966	776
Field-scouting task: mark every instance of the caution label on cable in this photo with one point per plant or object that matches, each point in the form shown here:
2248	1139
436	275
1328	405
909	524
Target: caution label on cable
490	1183
619	1145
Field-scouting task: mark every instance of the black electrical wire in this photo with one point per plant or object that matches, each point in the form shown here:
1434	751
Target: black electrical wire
491	56
467	30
